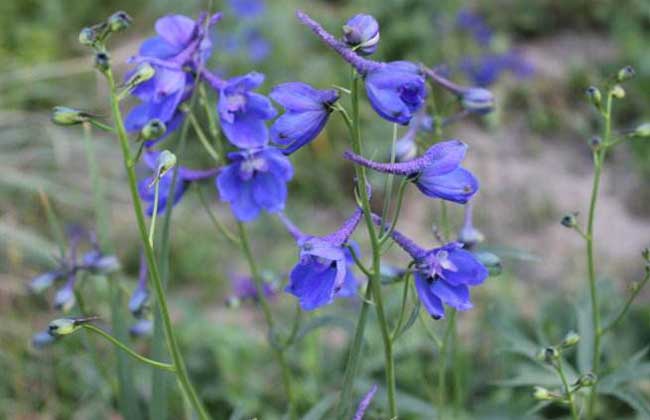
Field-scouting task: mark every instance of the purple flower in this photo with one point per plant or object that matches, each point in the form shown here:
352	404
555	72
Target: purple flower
307	111
473	99
325	267
437	173
142	328
487	68
255	180
185	177
361	33
244	289
45	280
257	46
475	24
247	8
42	339
443	275
243	112
365	403
396	90
64	298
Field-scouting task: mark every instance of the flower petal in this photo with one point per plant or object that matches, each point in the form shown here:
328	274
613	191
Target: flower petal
313	286
458	185
269	192
177	30
470	271
456	296
431	302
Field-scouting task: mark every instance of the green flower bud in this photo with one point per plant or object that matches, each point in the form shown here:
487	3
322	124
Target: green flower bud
153	129
63	115
143	72
490	261
548	354
642	131
626	73
571	339
542	394
102	61
88	37
119	21
586	380
595	97
66	326
570	220
595	142
166	160
618	92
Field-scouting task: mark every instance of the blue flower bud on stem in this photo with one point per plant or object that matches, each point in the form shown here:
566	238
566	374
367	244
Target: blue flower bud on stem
102	61
595	97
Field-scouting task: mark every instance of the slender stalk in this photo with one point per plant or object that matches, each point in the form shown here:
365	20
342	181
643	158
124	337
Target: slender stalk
398	207
202	137
627	304
152	225
442	371
567	389
215	220
266	309
599	157
402	312
179	365
388	189
127	350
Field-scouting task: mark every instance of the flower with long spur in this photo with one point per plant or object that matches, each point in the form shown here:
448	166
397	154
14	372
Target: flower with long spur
444	275
476	100
185	177
242	112
437	173
307	112
175	55
255	180
396	90
325	268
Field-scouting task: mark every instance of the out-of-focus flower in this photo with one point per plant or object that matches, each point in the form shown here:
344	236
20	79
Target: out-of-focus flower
255	180
406	148
469	236
42	339
140	296
474	99
365	403
307	111
244	289
443	275
247	8
142	328
325	269
486	69
475	25
257	46
361	33
437	173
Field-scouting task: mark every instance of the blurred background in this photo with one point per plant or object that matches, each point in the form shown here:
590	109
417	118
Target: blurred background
531	155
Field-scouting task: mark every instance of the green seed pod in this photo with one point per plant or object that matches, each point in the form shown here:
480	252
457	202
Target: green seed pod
542	394
618	92
63	115
570	220
166	161
65	326
626	73
153	129
595	97
586	380
88	37
119	21
571	339
143	72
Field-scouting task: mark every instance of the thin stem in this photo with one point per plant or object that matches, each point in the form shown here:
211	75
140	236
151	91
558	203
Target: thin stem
212	123
567	389
101	126
179	365
388	188
358	262
127	350
202	137
154	214
599	157
626	306
402	312
213	218
442	371
398	208
266	309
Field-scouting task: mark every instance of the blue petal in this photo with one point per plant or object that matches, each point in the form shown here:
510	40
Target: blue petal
279	164
299	97
297	129
312	284
470	270
177	30
269	192
228	183
246	131
458	185
244	207
431	302
260	106
455	296
159	48
350	285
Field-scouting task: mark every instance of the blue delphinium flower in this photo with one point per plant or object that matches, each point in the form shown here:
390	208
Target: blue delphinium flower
443	276
307	111
185	177
247	8
476	100
396	90
486	69
255	180
243	112
476	25
361	33
437	173
182	44
325	269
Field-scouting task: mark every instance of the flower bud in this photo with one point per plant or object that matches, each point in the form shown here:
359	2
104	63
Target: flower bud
490	261
153	129
548	354
102	61
141	74
233	302
477	100
618	92
362	33
595	97
571	339
542	394
88	37
642	131
42	339
586	380
65	326
119	21
63	115
570	220
626	73
166	161
595	142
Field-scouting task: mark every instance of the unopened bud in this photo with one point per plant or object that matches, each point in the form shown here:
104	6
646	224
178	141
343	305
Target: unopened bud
63	115
542	394
548	354
362	33
595	97
571	339
618	92
626	73
64	326
642	131
570	220
102	61
119	21
490	261
88	37
166	161
478	100
153	129
595	142
586	380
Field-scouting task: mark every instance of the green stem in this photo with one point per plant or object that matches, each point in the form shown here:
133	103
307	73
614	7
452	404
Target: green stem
127	350
202	137
398	208
599	157
179	365
388	188
402	311
266	309
627	304
152	225
215	221
442	371
567	389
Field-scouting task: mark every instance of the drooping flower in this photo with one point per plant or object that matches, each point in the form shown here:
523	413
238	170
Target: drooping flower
437	173
242	112
307	111
325	268
396	90
185	177
476	100
443	276
361	33
176	54
255	180
406	148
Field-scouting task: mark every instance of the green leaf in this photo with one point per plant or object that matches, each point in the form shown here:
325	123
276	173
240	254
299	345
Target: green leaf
633	398
319	410
631	371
